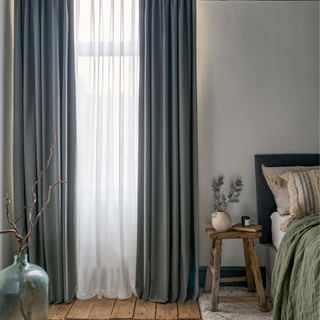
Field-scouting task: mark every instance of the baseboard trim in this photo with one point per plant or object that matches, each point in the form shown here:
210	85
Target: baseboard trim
228	272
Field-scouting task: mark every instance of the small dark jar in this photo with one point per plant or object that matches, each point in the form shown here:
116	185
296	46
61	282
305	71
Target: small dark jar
245	221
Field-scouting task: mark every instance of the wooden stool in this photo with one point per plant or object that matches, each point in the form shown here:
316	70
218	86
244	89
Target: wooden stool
252	269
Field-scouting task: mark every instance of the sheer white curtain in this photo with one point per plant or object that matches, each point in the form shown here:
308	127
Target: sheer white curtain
107	98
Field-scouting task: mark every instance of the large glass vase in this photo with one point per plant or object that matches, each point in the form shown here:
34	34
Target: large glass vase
23	291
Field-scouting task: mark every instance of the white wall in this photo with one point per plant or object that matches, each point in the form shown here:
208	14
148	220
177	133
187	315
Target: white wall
258	92
6	133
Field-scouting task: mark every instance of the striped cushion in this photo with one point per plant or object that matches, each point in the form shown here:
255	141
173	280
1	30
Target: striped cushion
279	186
304	192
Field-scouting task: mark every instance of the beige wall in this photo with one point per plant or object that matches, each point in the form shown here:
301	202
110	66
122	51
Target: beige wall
258	92
6	134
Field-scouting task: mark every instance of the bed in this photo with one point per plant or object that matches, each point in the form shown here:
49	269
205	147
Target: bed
266	205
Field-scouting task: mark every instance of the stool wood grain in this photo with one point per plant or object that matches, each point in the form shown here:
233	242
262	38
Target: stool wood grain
253	274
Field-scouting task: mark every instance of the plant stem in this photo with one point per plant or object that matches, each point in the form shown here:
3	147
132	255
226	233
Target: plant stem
22	291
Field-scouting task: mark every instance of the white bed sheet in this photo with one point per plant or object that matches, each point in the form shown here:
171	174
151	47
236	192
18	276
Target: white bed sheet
277	234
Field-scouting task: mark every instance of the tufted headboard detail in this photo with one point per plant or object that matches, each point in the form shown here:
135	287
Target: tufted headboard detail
265	200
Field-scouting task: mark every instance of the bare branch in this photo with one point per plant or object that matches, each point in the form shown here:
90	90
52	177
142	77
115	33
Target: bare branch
49	195
7	209
27	238
8	231
23	292
19	238
16	232
39	177
32	225
24	242
23	210
33	294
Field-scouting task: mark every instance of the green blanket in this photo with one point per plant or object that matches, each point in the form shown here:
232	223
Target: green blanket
295	278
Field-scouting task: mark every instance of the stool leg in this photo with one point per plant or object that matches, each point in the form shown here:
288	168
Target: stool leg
208	283
250	281
216	276
257	276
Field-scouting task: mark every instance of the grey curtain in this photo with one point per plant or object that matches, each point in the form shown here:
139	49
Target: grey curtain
44	105
167	252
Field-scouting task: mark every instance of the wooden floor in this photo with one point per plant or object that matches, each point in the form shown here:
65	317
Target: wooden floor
124	309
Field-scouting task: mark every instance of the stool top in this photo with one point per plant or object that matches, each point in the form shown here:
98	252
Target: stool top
232	234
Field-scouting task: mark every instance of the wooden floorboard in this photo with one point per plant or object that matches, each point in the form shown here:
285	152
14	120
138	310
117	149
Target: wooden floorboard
188	310
123	309
145	310
102	309
59	311
167	310
81	309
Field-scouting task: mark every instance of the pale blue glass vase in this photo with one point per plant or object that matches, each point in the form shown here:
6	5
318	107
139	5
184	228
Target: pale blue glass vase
23	291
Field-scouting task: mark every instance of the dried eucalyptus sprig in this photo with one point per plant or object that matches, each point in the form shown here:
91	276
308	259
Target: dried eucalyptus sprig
220	200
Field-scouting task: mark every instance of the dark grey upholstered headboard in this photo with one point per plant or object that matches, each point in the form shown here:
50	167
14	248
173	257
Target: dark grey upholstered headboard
265	200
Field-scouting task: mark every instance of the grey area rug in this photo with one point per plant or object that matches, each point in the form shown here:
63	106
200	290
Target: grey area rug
233	311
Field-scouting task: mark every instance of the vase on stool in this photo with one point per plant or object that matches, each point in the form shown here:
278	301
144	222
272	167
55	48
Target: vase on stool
23	291
221	221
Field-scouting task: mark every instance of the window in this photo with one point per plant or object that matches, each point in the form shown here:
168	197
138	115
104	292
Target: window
107	63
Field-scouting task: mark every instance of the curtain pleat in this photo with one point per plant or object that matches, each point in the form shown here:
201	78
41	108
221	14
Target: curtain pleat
167	241
44	105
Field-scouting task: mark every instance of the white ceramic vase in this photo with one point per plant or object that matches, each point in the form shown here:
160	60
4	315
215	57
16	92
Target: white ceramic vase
221	221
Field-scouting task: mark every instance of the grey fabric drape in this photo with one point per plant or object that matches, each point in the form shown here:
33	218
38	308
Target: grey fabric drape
44	105
167	252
